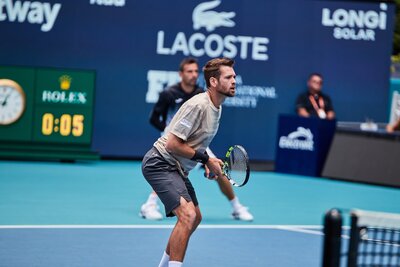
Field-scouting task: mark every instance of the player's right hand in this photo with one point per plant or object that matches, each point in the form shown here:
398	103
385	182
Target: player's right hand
214	167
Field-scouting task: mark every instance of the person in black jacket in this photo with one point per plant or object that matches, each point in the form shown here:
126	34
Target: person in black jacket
314	103
169	101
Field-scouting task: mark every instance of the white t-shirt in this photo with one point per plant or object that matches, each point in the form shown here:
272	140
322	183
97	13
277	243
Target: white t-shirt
196	123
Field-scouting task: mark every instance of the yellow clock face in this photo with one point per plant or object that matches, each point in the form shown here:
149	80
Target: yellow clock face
12	101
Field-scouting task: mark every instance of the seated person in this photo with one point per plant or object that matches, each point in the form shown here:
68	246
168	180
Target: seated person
395	126
314	103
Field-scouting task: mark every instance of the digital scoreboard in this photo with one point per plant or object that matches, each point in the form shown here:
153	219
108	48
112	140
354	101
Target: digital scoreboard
46	113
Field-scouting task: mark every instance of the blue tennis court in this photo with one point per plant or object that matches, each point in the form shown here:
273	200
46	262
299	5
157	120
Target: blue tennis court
86	214
143	246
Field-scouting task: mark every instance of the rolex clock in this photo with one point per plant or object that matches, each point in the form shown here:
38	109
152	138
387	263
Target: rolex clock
12	101
46	113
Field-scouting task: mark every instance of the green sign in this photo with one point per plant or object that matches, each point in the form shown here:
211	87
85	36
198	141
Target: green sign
46	107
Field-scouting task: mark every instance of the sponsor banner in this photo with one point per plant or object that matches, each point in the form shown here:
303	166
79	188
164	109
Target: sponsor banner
303	144
247	96
136	49
357	24
115	3
301	139
42	13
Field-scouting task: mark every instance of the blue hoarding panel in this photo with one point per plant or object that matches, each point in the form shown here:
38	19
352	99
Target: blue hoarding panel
135	48
303	144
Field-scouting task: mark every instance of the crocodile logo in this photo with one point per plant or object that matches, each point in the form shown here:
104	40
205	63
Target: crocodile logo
204	17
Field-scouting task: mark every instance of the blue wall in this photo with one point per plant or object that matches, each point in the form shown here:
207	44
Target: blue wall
276	44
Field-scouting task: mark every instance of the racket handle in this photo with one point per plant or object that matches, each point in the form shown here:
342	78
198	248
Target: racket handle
211	175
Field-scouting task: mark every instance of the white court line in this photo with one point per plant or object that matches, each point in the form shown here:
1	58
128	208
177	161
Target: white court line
301	230
309	229
306	229
205	226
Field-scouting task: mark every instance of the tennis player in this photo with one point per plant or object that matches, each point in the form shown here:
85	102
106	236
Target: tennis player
167	164
170	100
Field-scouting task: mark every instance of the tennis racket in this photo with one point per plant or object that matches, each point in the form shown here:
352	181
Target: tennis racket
236	166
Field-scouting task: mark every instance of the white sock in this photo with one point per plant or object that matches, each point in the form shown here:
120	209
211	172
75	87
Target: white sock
164	260
152	199
175	264
235	203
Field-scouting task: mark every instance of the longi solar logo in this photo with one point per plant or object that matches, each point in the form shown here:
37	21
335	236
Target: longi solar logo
301	139
199	44
355	24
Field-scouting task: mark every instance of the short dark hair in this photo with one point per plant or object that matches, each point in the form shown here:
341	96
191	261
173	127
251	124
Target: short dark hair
212	68
315	74
187	61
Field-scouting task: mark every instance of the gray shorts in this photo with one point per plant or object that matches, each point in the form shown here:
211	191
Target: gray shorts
167	182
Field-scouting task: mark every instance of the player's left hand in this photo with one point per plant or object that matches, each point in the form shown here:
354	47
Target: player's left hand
207	173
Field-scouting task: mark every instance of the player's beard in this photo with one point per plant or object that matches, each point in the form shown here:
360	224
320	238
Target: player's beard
230	93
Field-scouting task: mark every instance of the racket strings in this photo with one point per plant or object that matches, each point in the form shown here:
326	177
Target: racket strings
238	165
